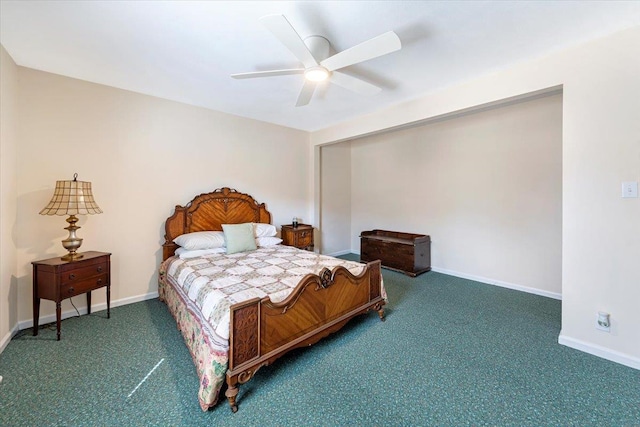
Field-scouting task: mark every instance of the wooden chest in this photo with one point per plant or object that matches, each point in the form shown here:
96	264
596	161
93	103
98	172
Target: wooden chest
405	252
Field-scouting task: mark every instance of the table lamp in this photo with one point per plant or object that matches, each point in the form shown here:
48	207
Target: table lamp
72	198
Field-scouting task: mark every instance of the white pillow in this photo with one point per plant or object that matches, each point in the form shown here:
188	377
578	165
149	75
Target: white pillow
200	240
268	241
264	230
185	254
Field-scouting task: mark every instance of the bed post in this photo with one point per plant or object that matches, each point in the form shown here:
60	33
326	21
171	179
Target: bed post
244	340
174	226
375	286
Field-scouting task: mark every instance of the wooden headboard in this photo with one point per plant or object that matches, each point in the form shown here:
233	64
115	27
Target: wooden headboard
208	211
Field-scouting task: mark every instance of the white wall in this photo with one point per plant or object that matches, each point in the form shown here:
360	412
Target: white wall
335	216
601	230
601	149
487	188
8	144
143	156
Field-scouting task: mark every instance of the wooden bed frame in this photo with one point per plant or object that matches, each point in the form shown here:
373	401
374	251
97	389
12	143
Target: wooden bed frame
261	331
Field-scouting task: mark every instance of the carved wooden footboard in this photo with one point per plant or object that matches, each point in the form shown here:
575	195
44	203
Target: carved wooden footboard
262	331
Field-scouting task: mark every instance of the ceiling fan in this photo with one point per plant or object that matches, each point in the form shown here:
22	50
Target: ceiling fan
313	52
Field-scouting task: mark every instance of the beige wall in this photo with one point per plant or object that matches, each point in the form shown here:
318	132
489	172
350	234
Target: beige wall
143	155
8	144
335	216
485	186
601	149
133	147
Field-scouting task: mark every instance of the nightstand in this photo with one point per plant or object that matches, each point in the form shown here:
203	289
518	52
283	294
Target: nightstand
57	280
301	236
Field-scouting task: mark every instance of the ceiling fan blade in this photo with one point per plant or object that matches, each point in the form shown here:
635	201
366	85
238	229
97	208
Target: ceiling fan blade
353	84
282	29
306	93
372	48
270	73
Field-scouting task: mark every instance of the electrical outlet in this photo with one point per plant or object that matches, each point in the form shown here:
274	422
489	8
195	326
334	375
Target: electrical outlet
603	321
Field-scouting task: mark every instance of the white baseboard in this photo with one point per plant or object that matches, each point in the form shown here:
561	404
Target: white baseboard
339	253
5	340
599	351
494	282
499	283
83	310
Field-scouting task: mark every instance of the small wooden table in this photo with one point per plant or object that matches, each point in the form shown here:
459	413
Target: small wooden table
56	280
300	236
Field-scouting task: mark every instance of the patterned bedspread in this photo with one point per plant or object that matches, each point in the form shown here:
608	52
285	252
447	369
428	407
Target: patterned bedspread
199	292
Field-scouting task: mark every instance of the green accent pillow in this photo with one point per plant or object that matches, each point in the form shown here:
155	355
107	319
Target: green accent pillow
239	237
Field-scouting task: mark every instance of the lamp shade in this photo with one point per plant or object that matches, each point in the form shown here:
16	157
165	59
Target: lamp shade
72	198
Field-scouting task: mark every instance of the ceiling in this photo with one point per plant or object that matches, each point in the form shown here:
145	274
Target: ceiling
186	50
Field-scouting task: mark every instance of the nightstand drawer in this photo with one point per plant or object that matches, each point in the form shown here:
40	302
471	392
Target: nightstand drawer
304	238
79	274
68	290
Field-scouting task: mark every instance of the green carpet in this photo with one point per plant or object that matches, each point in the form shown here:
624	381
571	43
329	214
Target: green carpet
452	352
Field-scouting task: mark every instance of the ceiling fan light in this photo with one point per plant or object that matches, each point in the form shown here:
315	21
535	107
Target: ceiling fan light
316	74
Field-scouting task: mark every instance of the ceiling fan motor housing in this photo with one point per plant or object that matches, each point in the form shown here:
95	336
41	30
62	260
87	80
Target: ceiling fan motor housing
318	46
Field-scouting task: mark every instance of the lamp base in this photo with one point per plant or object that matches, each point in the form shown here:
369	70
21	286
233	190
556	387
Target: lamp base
73	242
72	257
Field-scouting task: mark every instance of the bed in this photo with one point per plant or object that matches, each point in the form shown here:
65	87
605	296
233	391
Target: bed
260	329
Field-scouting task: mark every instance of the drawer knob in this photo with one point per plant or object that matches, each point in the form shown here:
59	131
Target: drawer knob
303	234
100	269
99	281
72	276
71	290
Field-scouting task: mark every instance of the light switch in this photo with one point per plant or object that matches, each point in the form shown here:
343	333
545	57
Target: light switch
630	189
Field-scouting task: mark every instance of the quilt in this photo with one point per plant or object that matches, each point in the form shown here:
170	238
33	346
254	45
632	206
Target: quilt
199	292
